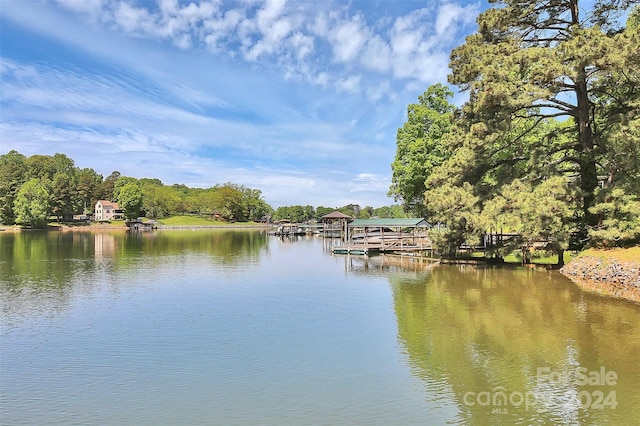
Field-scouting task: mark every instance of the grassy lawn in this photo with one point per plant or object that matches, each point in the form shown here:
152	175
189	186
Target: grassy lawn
631	254
188	220
541	259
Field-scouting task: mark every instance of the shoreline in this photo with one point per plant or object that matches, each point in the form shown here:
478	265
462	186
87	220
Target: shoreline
613	272
99	228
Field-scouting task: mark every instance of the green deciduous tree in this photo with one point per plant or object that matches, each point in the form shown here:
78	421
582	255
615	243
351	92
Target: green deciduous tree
159	201
228	202
120	183
352	210
12	175
420	146
130	200
32	203
633	21
254	203
296	214
40	167
394	211
322	211
46	166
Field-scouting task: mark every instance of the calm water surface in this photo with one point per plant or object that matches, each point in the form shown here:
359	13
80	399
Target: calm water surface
235	327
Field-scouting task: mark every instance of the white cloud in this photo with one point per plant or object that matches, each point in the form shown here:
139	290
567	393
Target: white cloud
412	46
190	90
303	45
218	28
408	46
92	8
451	13
377	55
381	91
272	27
321	79
349	84
134	19
347	39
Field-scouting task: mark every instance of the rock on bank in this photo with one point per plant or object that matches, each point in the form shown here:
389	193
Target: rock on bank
615	272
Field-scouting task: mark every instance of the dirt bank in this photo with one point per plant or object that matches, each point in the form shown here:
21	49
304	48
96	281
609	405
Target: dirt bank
613	272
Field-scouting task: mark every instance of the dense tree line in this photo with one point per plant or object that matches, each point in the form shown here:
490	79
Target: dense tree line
548	144
34	188
300	214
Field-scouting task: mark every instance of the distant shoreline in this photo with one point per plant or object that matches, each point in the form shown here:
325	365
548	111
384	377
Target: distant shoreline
230	226
99	228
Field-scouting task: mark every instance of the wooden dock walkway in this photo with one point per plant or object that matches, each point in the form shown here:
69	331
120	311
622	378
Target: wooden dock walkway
397	247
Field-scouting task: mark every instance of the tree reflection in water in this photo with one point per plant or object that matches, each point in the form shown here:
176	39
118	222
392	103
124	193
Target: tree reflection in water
482	331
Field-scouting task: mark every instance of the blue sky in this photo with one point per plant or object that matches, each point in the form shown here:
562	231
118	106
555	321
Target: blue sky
300	99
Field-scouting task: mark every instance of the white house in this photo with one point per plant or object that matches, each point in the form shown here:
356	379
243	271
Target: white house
107	210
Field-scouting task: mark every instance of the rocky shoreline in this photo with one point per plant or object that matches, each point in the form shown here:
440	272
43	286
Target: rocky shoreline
606	274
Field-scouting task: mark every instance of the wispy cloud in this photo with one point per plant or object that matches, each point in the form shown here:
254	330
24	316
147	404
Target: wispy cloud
302	98
295	35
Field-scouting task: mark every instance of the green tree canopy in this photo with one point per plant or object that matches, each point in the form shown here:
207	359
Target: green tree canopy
159	201
538	60
32	203
120	183
105	192
620	220
551	126
13	173
228	202
88	189
454	210
63	196
420	146
130	200
322	211
296	214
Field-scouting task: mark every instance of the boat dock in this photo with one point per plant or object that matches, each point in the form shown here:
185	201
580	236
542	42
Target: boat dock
288	229
397	236
397	248
141	226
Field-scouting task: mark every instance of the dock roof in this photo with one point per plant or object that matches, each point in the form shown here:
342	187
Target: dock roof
336	215
411	222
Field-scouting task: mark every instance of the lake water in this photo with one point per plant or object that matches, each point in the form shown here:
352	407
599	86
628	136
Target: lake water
236	327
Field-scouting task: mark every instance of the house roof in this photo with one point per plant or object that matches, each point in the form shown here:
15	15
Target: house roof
411	222
336	215
106	203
